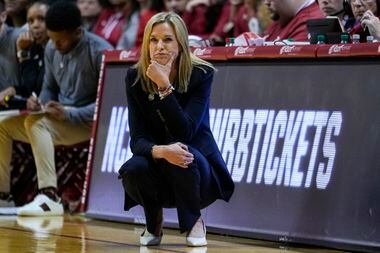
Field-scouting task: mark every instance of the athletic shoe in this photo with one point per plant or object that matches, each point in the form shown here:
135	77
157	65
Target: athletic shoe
7	207
42	205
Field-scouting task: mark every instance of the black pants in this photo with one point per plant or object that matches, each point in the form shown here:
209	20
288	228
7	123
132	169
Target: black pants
155	184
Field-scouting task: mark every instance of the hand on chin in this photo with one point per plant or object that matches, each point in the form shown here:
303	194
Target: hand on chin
161	60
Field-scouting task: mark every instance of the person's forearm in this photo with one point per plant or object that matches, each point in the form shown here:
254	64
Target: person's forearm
158	151
81	115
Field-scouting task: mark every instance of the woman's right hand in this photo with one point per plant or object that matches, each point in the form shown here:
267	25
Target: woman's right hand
176	153
159	73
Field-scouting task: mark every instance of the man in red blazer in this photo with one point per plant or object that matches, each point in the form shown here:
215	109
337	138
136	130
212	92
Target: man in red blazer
290	18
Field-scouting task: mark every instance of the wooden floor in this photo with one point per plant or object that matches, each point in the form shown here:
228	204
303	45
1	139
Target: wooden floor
80	234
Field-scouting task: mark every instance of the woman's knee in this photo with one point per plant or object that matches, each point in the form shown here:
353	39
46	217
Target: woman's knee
134	169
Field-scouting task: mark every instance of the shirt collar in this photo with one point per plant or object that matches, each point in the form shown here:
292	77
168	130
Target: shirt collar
78	48
307	3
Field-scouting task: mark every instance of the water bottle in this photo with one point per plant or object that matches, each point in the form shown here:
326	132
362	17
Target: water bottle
232	41
321	39
228	42
356	39
370	39
344	38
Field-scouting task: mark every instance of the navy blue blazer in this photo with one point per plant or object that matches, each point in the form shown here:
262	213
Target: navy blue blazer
179	117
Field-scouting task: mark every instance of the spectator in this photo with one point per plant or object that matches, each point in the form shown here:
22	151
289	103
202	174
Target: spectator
30	46
366	13
30	50
290	18
8	60
263	16
246	20
177	6
16	11
111	21
228	18
148	8
67	100
196	17
90	10
340	9
128	37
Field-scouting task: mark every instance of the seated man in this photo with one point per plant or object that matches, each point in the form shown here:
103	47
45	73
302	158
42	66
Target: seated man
290	18
66	104
340	9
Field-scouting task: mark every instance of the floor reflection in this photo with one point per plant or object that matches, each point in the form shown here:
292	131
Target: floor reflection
81	235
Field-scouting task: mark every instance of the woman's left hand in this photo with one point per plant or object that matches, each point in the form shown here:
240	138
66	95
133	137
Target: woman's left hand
159	73
372	23
175	153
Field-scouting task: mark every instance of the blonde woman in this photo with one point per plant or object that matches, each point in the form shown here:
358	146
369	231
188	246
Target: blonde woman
176	162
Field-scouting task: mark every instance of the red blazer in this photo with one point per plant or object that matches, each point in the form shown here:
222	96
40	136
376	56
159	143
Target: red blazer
296	28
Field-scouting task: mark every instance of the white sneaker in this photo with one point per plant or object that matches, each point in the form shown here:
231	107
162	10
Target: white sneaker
197	236
42	205
148	239
7	207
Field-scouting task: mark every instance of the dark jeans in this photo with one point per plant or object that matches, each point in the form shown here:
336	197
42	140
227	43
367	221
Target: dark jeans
155	184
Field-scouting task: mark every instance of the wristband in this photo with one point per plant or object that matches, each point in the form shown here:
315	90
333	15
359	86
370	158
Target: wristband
166	92
22	54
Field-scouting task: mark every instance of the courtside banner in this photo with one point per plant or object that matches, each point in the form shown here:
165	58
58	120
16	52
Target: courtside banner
301	140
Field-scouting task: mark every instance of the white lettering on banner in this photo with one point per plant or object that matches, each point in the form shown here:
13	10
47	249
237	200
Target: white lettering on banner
201	52
283	148
125	54
241	157
244	50
338	49
232	134
260	120
116	151
329	150
290	49
273	163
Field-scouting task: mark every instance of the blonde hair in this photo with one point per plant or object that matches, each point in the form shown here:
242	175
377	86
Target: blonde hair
186	59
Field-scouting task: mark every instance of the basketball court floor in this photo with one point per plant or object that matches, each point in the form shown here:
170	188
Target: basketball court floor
76	233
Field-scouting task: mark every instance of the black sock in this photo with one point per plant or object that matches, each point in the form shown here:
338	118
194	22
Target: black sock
5	196
51	192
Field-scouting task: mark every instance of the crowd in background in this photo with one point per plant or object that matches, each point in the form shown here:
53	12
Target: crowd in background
120	24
